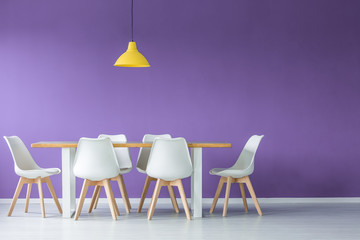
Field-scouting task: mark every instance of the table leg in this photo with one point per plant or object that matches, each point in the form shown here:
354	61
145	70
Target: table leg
196	182
68	182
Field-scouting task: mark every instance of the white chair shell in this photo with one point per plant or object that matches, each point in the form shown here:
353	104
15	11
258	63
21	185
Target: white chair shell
144	152
24	164
169	159
122	154
95	159
244	166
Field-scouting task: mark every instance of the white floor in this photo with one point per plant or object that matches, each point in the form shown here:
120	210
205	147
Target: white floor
283	219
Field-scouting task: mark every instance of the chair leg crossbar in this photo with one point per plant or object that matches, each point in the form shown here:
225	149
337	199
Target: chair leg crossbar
95	198
145	190
109	193
169	184
39	182
241	181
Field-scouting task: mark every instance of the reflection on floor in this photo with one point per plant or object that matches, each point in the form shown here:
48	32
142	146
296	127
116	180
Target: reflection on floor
285	219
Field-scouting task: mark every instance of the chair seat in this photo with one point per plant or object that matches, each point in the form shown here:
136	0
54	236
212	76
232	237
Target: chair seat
228	172
42	172
124	170
141	171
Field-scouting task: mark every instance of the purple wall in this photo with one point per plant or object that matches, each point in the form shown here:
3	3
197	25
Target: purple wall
220	71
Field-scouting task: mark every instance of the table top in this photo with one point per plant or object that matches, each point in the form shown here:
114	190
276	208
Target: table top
73	144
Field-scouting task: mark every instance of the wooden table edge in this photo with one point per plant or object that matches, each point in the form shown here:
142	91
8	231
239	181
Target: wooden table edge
74	145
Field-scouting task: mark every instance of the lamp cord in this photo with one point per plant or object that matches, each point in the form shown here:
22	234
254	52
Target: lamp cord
132	20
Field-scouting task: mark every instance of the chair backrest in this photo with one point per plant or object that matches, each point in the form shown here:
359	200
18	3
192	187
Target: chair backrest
169	159
95	159
21	155
247	155
122	154
144	153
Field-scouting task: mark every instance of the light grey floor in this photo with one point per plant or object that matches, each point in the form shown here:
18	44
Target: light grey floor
285	219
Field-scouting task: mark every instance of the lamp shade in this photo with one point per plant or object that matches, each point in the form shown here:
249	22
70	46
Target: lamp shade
132	58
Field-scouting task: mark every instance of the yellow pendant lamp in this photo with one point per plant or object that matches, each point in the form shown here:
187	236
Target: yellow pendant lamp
132	57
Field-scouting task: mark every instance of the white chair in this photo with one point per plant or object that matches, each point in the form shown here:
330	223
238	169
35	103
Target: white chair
125	165
169	162
96	163
141	167
30	173
239	173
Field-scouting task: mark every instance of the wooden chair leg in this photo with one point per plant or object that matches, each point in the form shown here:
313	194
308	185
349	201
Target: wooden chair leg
123	192
114	202
41	196
154	198
143	195
151	200
126	194
217	194
97	198
253	196
227	194
183	198
84	190
173	199
108	191
16	195
53	193
28	197
127	197
94	198
243	195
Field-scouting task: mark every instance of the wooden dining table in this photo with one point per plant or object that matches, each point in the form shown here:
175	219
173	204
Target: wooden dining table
68	149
